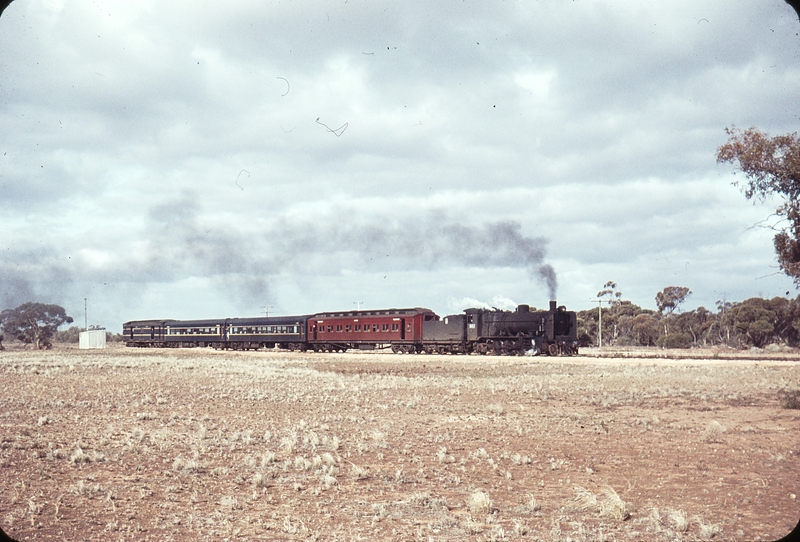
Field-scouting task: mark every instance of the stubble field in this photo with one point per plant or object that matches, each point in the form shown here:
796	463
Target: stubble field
126	444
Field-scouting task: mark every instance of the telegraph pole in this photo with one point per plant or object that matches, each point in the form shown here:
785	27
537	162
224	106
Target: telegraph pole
599	321
85	315
266	310
357	304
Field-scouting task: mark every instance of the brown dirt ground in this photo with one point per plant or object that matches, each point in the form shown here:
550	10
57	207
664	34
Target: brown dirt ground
126	444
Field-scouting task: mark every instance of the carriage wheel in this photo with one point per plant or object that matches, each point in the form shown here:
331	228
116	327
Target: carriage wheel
552	349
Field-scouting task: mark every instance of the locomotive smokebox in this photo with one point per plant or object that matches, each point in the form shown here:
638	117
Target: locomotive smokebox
552	306
523	308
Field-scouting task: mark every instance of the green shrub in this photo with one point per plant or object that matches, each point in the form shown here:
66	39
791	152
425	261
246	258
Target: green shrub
71	335
790	399
114	337
675	340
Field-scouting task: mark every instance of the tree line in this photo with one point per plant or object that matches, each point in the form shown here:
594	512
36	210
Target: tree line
755	322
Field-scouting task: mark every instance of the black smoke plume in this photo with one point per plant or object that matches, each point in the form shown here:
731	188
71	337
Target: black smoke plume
183	243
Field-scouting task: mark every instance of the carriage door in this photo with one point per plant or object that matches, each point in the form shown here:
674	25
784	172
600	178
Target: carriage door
472	326
402	329
152	332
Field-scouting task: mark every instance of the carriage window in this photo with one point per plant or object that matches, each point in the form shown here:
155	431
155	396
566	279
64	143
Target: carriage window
395	327
338	328
358	327
330	329
374	327
385	327
348	328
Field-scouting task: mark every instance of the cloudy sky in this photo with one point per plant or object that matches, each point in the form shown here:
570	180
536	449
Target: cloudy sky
201	159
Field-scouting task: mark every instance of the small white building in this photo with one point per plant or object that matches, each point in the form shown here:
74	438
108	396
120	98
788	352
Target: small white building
94	338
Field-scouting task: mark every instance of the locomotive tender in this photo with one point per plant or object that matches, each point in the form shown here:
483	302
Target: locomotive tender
416	330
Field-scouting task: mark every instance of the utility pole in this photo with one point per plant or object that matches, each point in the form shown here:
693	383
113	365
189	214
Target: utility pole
599	321
266	310
85	315
358	305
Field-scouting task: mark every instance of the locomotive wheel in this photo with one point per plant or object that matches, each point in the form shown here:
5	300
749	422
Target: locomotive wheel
552	349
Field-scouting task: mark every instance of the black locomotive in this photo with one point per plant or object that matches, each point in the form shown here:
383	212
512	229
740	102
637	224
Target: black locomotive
497	332
482	331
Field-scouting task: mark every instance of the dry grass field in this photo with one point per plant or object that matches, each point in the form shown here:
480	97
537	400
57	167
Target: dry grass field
126	444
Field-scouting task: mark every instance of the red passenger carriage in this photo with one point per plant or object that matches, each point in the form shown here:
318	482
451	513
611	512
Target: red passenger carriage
367	330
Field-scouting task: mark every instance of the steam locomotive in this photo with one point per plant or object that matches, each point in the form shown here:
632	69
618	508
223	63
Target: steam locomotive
416	330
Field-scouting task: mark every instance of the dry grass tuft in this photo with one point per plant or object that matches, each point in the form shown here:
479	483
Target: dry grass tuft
533	504
267	458
519	459
78	457
610	504
678	520
584	499
712	431
229	502
495	408
706	531
260	480
613	506
359	473
479	503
